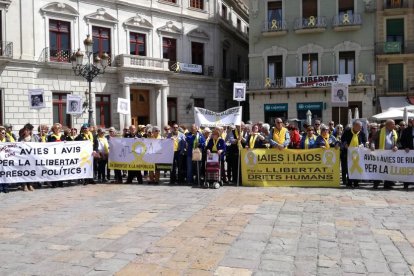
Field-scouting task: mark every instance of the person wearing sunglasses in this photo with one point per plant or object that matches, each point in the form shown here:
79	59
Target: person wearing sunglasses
317	126
279	136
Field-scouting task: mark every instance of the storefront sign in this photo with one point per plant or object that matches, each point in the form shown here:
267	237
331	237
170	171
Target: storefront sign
276	107
317	81
380	164
310	106
305	168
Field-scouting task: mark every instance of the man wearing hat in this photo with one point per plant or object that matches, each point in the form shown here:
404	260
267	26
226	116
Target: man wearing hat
9	134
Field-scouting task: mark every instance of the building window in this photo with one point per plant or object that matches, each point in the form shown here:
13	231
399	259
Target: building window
103	110
197	53
224	11
170	1
199	102
169	49
275	69
59	40
274	11
224	69
346	7
395	30
309	8
137	44
310	64
197	4
101	40
59	109
172	110
238	24
396	77
347	63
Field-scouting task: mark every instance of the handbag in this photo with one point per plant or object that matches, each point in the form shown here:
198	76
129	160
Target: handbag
197	155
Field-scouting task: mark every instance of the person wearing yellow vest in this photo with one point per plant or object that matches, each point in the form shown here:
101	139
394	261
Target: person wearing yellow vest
9	134
308	141
43	131
103	151
326	140
255	139
56	136
279	136
3	135
154	177
351	138
176	173
386	140
217	144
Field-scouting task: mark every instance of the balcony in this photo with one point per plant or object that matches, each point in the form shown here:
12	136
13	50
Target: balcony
363	79
141	62
59	55
274	28
311	24
396	86
278	83
195	69
347	22
394	48
395	7
6	49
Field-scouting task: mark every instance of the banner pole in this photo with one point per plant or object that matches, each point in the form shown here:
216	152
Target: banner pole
339	115
238	159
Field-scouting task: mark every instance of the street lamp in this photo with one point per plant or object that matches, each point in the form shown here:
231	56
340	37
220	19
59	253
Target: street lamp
89	70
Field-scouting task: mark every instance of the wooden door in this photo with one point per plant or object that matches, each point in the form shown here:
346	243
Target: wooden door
140	114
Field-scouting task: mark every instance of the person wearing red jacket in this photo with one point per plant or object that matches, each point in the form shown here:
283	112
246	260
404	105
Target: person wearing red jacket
294	137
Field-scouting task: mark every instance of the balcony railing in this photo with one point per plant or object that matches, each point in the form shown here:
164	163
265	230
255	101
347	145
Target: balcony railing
59	55
395	4
363	79
396	85
142	62
6	49
265	84
343	20
275	26
311	22
394	47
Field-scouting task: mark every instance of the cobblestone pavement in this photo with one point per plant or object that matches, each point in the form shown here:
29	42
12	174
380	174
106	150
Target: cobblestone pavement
177	230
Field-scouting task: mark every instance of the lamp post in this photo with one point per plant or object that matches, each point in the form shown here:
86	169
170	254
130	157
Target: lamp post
89	70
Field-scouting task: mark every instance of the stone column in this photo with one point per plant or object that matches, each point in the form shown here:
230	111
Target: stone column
165	91
155	103
125	120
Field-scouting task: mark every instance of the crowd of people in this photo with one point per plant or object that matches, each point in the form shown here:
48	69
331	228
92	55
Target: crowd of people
225	141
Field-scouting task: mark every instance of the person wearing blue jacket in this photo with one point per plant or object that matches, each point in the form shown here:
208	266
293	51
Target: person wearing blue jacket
194	140
308	140
326	140
216	144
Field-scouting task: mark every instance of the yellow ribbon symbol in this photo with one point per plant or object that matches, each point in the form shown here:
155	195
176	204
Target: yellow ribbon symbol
312	21
177	67
85	159
268	83
139	155
329	158
361	78
345	19
250	158
274	25
355	163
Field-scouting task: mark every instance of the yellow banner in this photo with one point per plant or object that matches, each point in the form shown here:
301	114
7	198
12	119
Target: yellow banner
288	167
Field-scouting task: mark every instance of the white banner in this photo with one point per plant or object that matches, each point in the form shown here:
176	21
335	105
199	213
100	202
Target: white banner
192	68
140	153
339	94
124	106
365	164
317	81
38	162
205	117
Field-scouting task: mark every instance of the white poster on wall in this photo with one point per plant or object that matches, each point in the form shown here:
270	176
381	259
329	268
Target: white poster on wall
74	105
124	106
37	98
239	92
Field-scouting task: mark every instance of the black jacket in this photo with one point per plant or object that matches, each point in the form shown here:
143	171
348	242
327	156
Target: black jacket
406	138
347	137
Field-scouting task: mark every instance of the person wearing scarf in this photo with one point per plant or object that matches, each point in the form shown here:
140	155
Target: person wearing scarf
326	140
235	140
86	135
217	144
154	177
194	140
132	133
279	136
43	131
55	136
407	143
308	141
103	150
27	136
386	140
352	137
255	139
9	134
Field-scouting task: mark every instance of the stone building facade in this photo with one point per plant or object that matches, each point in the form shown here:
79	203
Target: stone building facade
145	40
301	38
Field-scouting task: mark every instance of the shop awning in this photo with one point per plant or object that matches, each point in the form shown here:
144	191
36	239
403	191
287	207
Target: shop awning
393	102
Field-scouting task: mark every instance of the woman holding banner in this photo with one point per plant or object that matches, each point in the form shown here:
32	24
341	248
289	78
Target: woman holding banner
255	139
308	140
217	144
56	136
27	136
103	151
154	177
